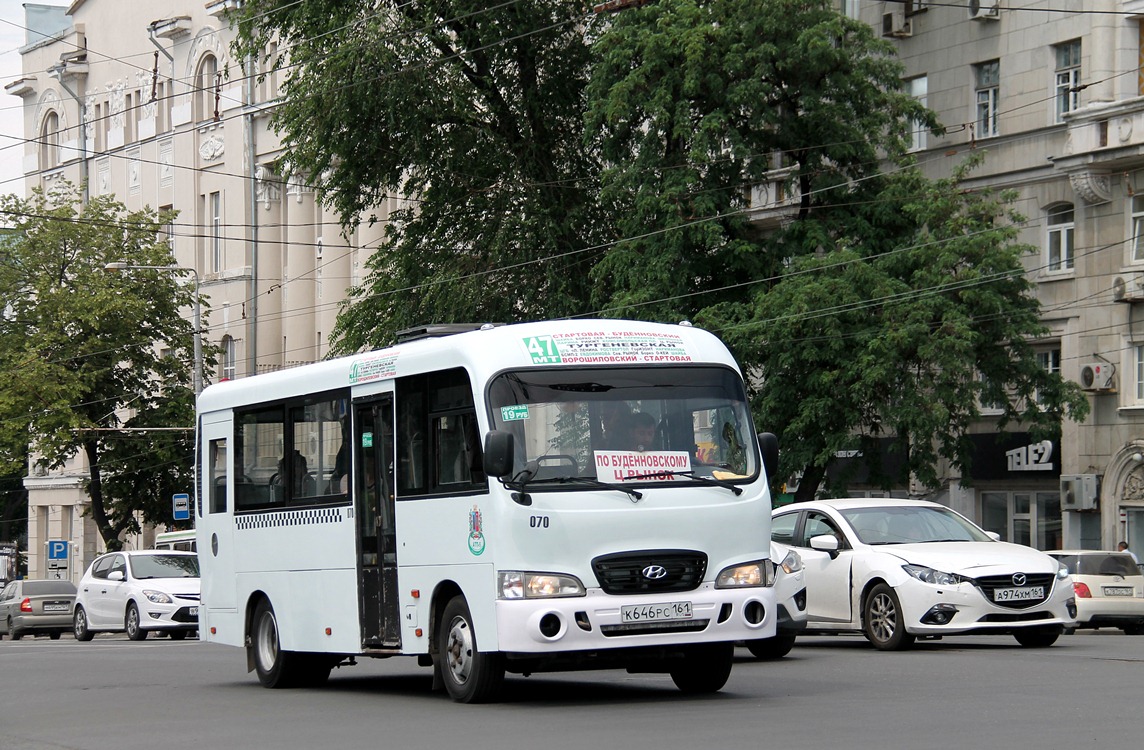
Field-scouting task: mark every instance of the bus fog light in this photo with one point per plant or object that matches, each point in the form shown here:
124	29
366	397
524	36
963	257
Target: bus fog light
754	612
550	625
546	627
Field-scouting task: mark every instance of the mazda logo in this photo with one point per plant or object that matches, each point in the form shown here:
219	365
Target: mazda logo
654	572
1019	579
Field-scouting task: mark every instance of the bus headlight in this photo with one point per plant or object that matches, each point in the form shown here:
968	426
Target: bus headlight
517	584
747	575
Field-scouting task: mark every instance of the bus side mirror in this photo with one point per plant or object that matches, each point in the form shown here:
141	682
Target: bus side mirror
769	445
498	453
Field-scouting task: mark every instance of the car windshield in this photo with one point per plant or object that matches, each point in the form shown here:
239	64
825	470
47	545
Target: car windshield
910	525
165	566
618	424
1107	564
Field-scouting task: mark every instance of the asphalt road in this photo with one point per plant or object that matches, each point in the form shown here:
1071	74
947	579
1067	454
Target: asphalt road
966	693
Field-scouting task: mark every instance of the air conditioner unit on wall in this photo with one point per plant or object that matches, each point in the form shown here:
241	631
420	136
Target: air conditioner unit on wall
895	24
1128	288
1096	376
984	10
1080	491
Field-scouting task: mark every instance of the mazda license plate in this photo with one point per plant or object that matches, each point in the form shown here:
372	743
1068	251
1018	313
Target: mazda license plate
1029	593
656	612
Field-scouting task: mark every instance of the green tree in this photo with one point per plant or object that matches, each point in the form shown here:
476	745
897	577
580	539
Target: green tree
77	345
874	303
471	111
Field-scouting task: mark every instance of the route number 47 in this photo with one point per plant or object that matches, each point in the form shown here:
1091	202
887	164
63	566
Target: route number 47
543	350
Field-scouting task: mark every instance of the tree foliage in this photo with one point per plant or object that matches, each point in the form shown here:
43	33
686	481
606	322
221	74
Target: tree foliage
77	346
471	111
557	163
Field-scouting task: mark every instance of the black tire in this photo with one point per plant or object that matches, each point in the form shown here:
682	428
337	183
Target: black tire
132	624
54	635
882	620
767	649
1134	630
79	625
178	635
469	674
1037	637
13	633
704	669
277	668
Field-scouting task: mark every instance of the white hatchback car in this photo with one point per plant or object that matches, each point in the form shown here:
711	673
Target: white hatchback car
138	591
895	570
1109	589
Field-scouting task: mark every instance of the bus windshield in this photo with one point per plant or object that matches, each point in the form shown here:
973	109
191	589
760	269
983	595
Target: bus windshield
642	425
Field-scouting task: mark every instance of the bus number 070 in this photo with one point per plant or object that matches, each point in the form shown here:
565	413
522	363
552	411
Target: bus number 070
538	522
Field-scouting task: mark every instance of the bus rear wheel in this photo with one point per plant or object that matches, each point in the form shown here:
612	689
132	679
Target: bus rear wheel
283	669
704	669
469	675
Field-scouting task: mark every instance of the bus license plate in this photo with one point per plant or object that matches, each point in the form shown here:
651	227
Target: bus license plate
656	612
1118	591
1019	595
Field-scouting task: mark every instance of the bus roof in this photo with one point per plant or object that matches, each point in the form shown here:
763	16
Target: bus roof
483	353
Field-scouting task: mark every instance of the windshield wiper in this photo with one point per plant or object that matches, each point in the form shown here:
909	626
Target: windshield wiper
526	476
691	475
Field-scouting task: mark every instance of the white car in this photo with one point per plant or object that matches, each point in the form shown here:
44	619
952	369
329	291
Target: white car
790	597
1109	589
138	591
896	570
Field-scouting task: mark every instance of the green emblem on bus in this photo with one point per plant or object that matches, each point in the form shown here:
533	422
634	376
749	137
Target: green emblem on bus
543	350
476	538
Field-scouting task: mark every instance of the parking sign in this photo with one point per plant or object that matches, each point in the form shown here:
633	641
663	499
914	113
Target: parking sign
57	549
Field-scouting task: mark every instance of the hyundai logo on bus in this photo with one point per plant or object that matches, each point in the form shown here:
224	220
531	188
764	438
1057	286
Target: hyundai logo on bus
654	572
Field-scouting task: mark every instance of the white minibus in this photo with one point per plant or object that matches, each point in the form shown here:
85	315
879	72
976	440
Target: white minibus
490	499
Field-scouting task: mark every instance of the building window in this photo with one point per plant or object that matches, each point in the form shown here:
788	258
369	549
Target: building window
229	358
1059	247
1068	77
50	142
988	87
1138	228
204	101
918	88
215	204
1050	361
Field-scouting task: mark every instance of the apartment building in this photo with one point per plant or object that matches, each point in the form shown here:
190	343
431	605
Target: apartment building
1055	100
144	100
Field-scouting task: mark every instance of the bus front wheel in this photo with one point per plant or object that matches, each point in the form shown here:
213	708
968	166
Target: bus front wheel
470	675
704	669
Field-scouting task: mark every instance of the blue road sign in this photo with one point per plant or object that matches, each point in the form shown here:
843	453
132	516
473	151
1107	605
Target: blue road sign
181	506
57	549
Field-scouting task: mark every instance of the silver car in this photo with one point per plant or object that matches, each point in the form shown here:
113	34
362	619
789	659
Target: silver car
36	607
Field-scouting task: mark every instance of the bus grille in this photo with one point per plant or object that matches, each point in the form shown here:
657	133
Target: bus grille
653	628
639	572
988	584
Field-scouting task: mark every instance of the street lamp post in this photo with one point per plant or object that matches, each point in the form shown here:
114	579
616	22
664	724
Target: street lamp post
198	371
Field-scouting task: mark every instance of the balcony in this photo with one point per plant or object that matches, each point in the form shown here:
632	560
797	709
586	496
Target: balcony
1102	139
775	201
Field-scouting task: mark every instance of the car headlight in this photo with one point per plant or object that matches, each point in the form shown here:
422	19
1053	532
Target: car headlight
517	584
747	575
157	596
1062	572
929	575
792	563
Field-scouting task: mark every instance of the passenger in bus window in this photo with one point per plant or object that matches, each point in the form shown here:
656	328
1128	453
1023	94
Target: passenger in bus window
641	431
614	416
302	484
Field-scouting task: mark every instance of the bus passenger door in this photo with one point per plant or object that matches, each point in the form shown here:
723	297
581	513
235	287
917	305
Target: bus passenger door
374	508
221	475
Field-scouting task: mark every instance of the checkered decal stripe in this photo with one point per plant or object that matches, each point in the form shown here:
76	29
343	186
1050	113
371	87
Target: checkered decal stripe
280	518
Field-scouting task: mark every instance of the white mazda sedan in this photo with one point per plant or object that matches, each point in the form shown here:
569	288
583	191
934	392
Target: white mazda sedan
897	570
